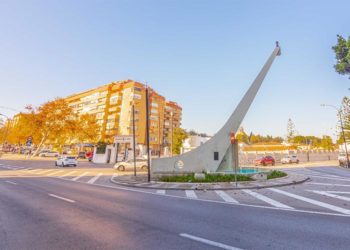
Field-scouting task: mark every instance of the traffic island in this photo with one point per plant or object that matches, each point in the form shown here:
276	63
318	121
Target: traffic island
187	181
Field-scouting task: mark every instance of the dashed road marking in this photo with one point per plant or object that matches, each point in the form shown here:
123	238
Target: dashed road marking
161	191
93	179
267	199
79	176
191	194
311	201
225	196
61	198
330	178
11	182
209	242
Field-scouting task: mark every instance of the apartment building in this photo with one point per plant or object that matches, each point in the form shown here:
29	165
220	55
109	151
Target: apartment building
112	106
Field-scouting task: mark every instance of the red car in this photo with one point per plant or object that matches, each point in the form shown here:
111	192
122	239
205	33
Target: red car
265	160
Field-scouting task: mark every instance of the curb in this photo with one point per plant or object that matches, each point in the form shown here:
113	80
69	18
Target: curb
219	188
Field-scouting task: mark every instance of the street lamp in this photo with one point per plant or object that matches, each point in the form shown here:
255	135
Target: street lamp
342	130
133	135
172	134
147	136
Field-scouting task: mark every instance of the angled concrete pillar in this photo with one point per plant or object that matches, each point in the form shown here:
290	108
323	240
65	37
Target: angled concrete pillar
209	156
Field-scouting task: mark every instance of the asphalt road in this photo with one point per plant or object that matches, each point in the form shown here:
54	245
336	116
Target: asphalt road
47	212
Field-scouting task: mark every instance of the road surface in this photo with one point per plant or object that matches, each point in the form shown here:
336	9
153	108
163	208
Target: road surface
42	208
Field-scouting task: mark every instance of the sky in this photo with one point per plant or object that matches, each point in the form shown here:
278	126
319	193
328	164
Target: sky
202	54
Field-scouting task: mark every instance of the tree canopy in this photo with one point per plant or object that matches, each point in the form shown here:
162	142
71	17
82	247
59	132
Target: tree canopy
342	54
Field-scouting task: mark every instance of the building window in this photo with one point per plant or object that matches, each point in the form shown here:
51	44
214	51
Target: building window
138	89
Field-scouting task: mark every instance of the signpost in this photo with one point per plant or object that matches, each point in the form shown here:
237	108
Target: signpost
234	153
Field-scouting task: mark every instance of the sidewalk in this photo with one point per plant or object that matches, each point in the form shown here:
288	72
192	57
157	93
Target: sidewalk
140	181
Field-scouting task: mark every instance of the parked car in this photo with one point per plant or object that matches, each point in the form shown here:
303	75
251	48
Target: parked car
290	159
81	155
66	160
265	160
49	153
129	165
342	159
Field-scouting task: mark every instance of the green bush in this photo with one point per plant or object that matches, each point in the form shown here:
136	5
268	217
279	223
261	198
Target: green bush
208	178
276	174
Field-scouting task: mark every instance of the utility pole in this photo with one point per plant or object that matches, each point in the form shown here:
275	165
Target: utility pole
172	134
159	141
133	136
147	136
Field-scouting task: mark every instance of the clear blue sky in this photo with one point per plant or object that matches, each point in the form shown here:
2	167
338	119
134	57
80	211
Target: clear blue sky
202	54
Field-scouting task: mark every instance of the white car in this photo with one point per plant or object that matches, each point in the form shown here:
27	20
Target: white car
129	165
66	161
290	159
49	153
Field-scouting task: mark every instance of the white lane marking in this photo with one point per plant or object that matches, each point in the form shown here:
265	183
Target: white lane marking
267	200
331	195
11	182
45	171
67	174
213	201
160	191
314	202
330	178
209	242
35	170
79	176
328	184
61	198
338	192
225	196
93	179
191	194
60	171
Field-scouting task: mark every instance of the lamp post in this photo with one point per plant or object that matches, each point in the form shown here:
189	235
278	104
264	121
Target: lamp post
133	136
147	137
172	134
342	130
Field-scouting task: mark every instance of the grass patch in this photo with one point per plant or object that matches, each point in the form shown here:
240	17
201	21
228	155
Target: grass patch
276	174
208	178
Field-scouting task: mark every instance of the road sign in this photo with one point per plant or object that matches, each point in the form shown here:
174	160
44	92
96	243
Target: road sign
123	139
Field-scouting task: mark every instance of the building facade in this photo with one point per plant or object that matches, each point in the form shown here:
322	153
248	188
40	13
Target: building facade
112	106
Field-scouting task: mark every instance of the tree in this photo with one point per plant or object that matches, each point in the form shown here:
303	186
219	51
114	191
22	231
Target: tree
342	54
179	135
53	119
241	136
327	143
345	116
291	131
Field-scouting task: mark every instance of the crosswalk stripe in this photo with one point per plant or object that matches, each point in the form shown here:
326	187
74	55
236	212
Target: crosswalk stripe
46	171
53	173
311	201
160	191
328	184
225	196
35	170
93	179
68	174
191	194
267	199
79	176
331	195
